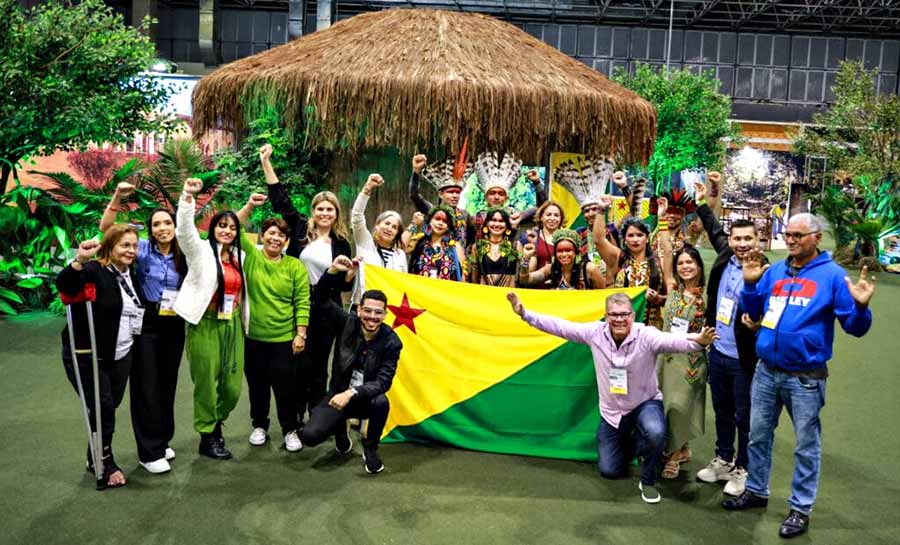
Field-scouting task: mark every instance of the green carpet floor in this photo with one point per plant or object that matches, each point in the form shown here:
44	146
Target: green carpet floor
427	495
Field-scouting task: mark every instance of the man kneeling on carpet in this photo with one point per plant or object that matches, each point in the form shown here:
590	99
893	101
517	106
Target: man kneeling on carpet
632	420
363	367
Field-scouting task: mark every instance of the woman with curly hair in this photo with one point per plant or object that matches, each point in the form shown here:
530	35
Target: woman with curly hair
436	254
548	218
566	271
493	260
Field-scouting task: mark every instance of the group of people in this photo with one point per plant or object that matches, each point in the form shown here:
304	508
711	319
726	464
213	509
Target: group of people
272	312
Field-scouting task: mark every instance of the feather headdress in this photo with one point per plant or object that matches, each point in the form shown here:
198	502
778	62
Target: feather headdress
450	173
493	173
586	180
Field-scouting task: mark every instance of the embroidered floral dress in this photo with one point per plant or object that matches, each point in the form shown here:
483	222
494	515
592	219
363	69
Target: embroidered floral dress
633	273
440	262
682	377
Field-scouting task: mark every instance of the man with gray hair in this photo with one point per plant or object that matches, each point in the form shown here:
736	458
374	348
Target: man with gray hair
632	420
798	300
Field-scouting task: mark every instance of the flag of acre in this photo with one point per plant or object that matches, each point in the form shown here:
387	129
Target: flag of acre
474	375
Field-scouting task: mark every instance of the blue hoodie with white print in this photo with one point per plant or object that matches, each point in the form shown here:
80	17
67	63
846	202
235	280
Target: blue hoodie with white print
813	297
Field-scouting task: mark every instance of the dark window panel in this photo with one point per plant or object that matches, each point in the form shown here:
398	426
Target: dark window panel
259	48
620	43
743	83
818	50
261	27
164	48
726	76
677	46
619	65
693	46
727	48
586	60
854	49
710	47
778	85
797	92
887	84
835	52
815	88
181	50
657	45
800	51
244	50
890	54
830	79
164	27
551	35
586	35
227	27
746	49
639	44
604	42
535	30
602	66
187	24
278	34
763	50
872	54
244	28
761	82
568	39
781	49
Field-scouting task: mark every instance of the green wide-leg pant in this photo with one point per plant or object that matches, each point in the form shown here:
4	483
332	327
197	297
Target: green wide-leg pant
215	350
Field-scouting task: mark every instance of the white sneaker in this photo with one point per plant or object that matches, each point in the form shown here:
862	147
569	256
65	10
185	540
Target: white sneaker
292	442
157	466
170	454
717	470
258	437
649	493
737	480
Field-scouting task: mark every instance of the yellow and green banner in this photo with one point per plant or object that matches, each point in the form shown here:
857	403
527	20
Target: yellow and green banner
473	375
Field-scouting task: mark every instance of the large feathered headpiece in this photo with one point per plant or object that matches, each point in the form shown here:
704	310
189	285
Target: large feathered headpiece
450	173
586	180
493	173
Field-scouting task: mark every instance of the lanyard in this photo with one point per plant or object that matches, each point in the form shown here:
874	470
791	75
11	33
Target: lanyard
125	286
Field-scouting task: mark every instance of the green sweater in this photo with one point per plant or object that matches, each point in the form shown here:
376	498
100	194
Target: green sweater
278	293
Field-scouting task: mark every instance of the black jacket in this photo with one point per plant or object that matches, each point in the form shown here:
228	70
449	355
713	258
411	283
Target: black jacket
107	309
745	338
381	358
330	285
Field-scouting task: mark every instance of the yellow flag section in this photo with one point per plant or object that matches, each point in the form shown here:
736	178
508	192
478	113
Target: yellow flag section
572	210
467	374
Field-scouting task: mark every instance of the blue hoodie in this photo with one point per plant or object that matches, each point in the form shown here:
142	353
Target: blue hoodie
816	295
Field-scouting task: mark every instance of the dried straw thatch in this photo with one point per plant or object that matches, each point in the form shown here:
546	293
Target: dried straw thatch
414	78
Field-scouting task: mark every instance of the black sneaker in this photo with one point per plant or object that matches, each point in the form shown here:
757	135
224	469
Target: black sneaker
372	463
794	525
747	500
342	442
213	447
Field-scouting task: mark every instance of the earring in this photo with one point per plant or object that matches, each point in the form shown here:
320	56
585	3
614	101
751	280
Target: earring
508	232
484	230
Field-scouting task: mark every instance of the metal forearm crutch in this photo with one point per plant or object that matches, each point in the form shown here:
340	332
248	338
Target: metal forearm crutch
95	438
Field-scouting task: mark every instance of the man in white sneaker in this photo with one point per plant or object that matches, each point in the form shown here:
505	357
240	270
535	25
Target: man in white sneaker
631	411
732	358
363	368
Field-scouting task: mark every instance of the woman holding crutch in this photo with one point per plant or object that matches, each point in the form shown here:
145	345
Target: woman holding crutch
117	313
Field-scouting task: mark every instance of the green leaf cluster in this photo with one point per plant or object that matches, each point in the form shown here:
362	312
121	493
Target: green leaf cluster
692	119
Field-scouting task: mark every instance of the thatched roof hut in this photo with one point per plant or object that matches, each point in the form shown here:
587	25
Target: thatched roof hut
418	78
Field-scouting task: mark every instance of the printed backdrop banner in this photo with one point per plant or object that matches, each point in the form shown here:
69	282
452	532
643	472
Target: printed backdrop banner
472	374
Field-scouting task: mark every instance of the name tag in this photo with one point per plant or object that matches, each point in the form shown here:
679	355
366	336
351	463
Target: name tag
680	325
774	312
433	273
227	308
618	381
356	379
725	313
167	302
137	321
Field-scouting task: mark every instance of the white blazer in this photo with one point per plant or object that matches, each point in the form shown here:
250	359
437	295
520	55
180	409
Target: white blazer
365	245
201	281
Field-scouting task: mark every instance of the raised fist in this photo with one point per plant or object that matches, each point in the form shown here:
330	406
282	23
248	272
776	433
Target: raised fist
257	199
265	152
124	189
87	250
418	163
620	179
533	176
192	186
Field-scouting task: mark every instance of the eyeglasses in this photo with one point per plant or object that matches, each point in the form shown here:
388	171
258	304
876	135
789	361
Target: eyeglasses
619	315
797	236
372	311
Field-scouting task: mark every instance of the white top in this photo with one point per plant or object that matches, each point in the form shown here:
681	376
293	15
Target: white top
317	258
366	248
129	313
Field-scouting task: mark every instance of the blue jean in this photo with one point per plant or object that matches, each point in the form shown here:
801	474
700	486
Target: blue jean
803	398
730	389
641	432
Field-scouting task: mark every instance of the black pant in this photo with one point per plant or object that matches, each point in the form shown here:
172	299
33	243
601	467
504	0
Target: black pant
154	378
312	364
113	377
325	421
270	366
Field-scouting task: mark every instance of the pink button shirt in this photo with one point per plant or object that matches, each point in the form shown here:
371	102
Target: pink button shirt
637	354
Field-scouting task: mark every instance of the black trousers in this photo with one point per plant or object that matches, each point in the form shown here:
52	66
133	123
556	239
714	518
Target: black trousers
154	379
325	421
270	367
113	377
312	364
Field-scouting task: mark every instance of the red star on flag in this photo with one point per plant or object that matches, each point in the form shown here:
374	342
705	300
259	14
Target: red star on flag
404	314
623	205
